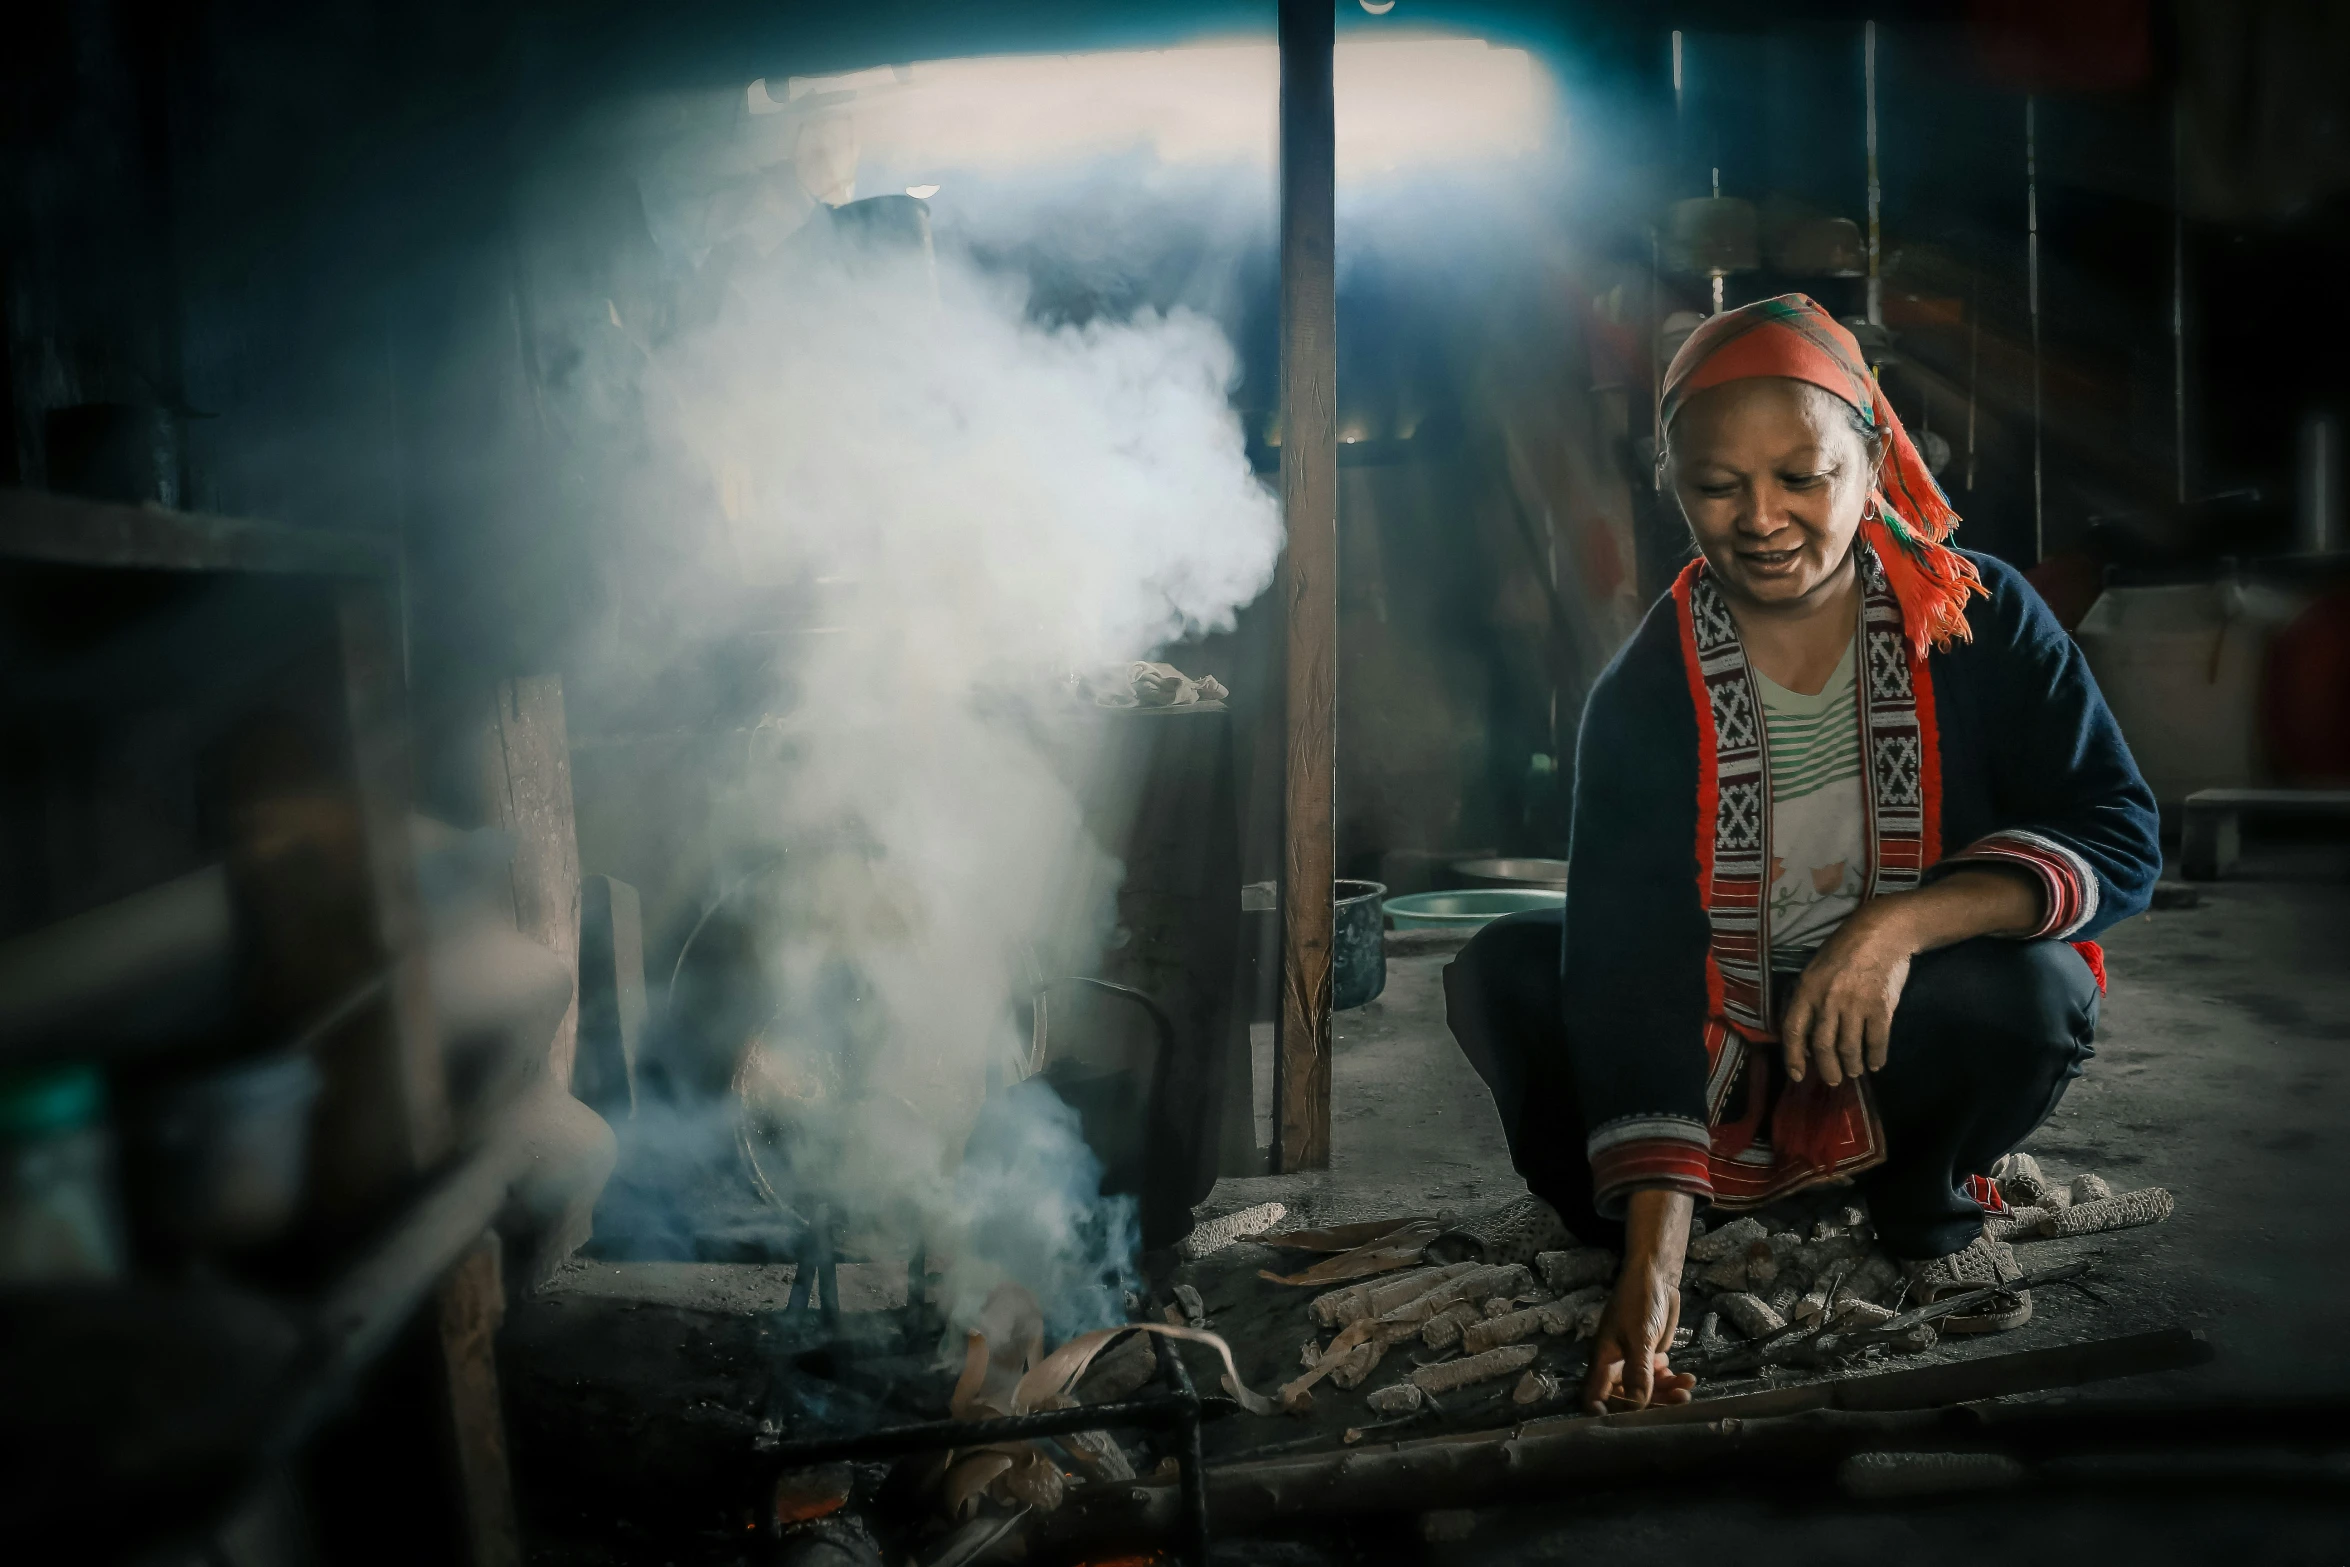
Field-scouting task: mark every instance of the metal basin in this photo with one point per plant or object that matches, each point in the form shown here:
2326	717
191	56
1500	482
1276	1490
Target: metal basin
1468	909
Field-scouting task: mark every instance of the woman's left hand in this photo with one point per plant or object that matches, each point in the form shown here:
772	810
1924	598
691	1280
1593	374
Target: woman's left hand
1839	1021
1840	1018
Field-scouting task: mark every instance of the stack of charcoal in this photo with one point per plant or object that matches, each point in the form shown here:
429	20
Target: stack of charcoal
1756	1281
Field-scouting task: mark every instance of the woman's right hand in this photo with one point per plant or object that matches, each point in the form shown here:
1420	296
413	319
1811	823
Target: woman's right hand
1630	1368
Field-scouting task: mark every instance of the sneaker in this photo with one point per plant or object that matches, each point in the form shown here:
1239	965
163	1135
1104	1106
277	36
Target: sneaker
1980	1263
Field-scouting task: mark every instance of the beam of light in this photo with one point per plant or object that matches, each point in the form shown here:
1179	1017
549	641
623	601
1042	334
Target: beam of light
1402	103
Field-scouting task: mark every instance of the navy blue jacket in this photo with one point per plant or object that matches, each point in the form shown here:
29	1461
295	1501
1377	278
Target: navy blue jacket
2021	764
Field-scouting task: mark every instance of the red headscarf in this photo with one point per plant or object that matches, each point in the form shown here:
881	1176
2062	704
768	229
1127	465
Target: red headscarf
1908	515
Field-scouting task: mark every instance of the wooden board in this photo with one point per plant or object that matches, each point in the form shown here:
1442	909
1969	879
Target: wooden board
529	790
69	531
472	1301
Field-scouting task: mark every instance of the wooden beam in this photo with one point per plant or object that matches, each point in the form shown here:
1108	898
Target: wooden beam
1309	582
69	531
1775	1433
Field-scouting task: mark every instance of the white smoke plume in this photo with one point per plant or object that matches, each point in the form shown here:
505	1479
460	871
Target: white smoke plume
976	504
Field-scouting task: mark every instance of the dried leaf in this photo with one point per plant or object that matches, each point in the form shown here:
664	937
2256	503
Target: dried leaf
1341	1237
1060	1370
970	1478
1354	1333
1400	1248
960	1403
1057	1371
1010	1336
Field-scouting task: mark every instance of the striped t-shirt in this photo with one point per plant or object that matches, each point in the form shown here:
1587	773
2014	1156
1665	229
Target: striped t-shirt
1816	844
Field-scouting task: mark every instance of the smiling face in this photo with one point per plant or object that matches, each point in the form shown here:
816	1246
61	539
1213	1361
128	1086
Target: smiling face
1774	480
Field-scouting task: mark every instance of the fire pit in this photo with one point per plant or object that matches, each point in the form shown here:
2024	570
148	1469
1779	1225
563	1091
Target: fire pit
1176	1411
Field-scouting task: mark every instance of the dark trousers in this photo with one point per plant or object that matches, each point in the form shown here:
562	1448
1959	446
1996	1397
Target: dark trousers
1988	1035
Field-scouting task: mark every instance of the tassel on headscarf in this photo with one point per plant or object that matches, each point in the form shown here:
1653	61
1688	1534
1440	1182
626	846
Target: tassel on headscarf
1909	517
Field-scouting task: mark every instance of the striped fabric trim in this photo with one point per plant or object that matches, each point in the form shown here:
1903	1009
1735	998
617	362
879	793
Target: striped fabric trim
1740	851
1903	775
1667	1151
1648	1128
1666	1166
2068	886
1762	1175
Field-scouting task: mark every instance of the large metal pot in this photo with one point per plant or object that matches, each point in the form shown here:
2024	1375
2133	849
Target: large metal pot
1358	945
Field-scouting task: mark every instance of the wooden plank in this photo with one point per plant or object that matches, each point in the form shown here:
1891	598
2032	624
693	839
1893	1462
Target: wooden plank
375	689
1309	581
472	1304
69	531
529	791
97	983
1927	1387
1552	1459
2279	802
317	790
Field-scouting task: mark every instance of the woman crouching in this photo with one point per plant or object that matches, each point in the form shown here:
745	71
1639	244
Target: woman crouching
1848	808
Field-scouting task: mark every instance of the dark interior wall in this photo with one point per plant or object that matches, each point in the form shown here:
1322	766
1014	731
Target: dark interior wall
2192	125
1782	115
346	249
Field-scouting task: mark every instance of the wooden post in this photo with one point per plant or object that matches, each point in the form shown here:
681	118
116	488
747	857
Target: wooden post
1309	582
